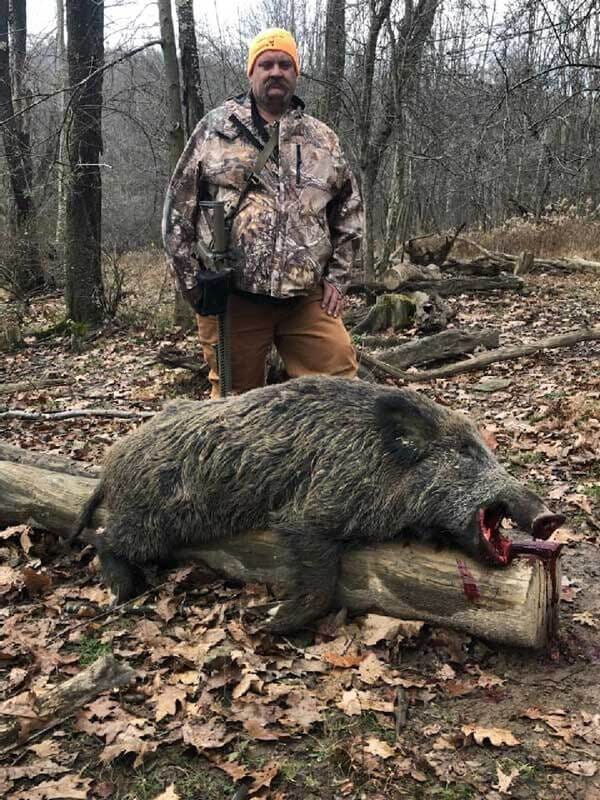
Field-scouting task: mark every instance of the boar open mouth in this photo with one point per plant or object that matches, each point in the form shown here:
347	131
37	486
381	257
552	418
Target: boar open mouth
495	546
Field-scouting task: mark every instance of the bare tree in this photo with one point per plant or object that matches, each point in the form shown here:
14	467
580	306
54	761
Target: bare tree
61	166
175	127
193	104
84	292
335	60
23	269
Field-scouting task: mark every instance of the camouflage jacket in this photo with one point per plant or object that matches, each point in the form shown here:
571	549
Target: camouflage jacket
299	224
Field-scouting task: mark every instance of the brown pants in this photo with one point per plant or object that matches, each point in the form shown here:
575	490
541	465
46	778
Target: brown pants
309	341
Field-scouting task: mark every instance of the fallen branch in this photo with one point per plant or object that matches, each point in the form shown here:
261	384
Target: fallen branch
32	386
484	359
60	701
175	359
37	416
516	605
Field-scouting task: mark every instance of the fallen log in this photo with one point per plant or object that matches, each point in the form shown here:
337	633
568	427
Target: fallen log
447	287
32	386
516	605
491	262
484	359
438	347
63	700
51	461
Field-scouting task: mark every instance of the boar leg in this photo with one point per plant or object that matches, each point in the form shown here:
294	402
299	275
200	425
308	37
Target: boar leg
315	564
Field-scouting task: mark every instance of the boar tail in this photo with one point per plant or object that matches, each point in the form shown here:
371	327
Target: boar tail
84	520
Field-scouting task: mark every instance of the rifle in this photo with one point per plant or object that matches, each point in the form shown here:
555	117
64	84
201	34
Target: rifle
215	281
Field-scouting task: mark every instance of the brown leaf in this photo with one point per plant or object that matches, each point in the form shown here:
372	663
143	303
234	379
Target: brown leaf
350	703
21	705
167	700
304	710
342	661
125	744
256	730
69	787
586	618
15	530
168	794
378	747
207	735
166	608
498	737
505	779
376	628
9	579
370	669
25	541
36	582
263	778
587	768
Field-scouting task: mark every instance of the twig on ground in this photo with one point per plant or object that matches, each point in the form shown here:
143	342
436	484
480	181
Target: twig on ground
41	416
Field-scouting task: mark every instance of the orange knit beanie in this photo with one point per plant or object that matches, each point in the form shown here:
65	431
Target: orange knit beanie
273	39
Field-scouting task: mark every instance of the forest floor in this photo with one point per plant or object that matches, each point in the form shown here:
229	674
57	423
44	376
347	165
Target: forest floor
217	711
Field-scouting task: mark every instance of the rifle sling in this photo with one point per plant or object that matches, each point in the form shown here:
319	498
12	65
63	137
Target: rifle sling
264	155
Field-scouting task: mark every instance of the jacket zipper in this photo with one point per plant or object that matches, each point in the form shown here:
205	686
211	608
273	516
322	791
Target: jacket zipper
298	163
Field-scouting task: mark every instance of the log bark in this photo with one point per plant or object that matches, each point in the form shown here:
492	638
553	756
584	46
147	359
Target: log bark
438	347
485	359
447	287
63	700
49	461
516	605
32	386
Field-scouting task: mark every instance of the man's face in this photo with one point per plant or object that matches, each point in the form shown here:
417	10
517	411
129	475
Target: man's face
273	80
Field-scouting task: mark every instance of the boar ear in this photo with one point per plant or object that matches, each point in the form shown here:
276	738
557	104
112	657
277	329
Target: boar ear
407	424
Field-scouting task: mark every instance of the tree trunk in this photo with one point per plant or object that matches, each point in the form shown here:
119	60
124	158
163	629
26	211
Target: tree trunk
175	125
193	104
62	172
517	605
84	292
23	268
335	60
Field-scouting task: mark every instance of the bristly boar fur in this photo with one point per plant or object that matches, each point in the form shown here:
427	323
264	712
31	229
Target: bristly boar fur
326	462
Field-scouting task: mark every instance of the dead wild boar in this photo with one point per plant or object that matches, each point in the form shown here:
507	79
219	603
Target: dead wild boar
328	463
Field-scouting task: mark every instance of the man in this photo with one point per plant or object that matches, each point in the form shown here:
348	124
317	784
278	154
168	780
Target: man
294	227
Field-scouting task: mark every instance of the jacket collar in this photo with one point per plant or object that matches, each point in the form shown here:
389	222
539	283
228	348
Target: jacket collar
242	105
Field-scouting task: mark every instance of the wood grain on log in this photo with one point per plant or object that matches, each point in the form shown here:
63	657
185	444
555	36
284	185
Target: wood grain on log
51	461
438	347
515	605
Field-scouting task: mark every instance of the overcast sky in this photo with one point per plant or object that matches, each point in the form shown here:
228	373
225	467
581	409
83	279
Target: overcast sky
127	20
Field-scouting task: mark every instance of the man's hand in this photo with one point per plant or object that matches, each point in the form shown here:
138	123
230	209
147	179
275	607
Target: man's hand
332	301
192	296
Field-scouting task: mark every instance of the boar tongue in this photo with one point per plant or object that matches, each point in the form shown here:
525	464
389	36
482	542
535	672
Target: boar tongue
496	546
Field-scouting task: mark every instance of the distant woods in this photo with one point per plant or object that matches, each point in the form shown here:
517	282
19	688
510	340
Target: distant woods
448	114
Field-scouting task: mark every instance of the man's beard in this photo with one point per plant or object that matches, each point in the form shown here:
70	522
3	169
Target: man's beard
274	103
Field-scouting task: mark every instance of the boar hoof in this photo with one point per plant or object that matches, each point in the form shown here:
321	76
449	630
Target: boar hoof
125	580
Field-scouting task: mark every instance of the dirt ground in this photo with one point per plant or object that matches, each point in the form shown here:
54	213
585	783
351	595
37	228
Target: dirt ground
219	711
